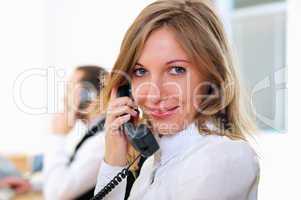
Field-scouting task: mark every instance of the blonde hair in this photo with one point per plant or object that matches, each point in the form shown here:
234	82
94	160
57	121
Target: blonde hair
200	33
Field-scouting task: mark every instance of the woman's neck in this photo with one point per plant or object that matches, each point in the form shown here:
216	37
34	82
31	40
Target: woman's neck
173	130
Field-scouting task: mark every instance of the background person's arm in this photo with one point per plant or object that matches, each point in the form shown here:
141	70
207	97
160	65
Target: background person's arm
67	182
18	184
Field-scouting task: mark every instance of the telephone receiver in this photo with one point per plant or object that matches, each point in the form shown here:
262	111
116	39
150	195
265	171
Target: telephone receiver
141	136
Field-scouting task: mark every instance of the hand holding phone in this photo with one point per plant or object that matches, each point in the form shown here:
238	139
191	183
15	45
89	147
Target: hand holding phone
120	110
141	137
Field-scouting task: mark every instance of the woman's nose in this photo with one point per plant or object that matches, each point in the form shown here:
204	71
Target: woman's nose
155	91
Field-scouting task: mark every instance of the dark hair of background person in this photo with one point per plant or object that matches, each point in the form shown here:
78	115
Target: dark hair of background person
92	74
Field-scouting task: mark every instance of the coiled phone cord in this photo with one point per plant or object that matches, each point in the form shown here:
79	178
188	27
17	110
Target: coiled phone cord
114	182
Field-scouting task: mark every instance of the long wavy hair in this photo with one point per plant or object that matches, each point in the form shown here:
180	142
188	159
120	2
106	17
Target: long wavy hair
200	33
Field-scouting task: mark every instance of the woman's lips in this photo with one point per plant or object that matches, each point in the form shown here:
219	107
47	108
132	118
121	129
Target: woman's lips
163	114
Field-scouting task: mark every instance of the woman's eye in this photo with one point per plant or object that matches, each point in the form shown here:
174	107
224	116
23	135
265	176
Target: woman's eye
176	70
139	72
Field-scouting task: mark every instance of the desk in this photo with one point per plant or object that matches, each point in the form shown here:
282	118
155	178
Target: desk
29	196
22	164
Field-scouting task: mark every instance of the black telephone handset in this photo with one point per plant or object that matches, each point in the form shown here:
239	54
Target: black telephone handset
141	136
141	139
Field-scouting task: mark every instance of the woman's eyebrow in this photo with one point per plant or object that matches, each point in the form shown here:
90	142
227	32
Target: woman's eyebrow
167	63
177	60
137	63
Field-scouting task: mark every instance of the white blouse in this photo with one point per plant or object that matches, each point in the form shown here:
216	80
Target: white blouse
191	166
63	181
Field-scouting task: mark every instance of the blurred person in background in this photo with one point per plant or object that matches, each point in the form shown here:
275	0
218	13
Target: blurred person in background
73	176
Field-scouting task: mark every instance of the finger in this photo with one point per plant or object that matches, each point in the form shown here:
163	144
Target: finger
121	110
115	126
123	101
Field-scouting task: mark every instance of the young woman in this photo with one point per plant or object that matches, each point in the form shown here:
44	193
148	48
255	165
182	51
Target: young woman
178	62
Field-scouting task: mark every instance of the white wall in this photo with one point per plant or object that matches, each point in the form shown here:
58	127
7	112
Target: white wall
21	48
280	153
259	35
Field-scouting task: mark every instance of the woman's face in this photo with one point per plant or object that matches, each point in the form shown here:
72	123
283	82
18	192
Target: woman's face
166	83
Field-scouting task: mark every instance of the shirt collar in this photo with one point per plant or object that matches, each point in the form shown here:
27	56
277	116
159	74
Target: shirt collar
173	145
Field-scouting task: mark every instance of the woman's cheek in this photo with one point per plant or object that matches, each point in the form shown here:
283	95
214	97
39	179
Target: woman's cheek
138	94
